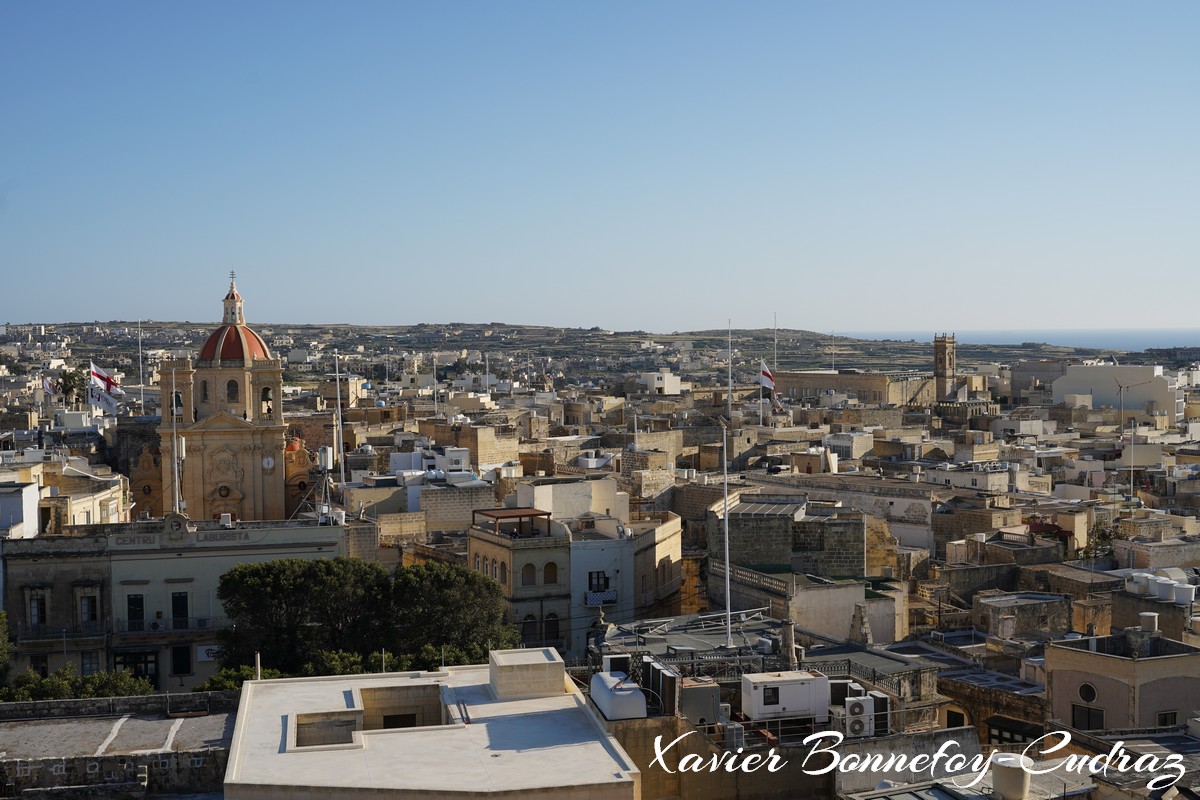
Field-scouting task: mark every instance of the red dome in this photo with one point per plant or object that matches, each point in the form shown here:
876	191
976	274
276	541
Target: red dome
234	343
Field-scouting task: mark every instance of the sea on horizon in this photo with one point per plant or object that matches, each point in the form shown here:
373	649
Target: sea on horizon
1127	340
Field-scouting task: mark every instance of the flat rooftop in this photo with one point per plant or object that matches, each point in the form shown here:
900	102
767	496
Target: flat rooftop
84	737
478	729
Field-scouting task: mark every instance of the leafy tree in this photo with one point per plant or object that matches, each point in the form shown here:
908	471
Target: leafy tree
334	662
289	609
442	604
231	678
5	649
73	384
65	684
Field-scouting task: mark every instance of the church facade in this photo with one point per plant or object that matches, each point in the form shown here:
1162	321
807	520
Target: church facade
225	411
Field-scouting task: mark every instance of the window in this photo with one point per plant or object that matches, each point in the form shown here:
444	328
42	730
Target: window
1087	693
37	607
1086	719
955	719
135	612
179	610
551	626
89	608
770	695
550	574
503	572
181	660
597	582
89	662
39	665
529	575
1168	719
477	562
529	629
231	391
203	391
143	665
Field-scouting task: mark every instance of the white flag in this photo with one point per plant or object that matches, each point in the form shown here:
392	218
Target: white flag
99	399
765	378
104	381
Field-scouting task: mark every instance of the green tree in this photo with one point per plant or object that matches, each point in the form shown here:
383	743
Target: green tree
5	650
73	384
440	604
289	609
231	678
334	662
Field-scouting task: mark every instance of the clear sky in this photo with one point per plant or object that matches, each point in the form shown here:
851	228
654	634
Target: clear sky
656	165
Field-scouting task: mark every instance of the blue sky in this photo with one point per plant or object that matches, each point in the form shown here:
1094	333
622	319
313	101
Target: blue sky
660	165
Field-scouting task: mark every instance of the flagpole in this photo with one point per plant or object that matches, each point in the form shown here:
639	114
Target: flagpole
729	393
141	374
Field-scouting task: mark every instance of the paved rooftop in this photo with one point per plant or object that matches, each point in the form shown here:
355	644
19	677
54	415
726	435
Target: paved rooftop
75	737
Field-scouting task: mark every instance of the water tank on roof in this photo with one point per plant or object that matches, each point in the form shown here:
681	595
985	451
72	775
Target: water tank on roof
1185	594
1166	589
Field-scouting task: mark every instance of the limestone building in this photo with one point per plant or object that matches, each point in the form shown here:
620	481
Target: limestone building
225	410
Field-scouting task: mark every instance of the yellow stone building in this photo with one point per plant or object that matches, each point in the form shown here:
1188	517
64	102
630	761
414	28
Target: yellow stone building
225	409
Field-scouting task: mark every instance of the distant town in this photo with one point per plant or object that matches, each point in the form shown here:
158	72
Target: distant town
585	563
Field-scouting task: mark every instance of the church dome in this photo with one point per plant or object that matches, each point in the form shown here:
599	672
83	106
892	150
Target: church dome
234	340
234	343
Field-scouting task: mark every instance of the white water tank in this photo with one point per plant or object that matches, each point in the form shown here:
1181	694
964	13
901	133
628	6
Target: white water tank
1143	582
1166	588
1149	621
1185	594
1010	776
1131	584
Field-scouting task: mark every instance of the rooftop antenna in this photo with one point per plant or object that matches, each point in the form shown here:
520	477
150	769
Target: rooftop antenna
337	376
728	567
174	446
1121	425
435	385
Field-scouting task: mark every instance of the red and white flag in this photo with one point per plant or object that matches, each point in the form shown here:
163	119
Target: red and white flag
765	378
102	379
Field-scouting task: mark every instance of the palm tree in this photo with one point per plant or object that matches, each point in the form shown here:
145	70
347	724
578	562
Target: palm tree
73	385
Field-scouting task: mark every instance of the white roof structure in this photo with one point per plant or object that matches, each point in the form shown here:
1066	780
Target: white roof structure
515	726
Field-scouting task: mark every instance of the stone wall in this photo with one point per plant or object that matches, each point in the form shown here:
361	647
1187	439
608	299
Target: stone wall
982	702
450	509
965	580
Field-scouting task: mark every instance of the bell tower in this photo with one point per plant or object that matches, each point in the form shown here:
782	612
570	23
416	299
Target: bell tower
944	366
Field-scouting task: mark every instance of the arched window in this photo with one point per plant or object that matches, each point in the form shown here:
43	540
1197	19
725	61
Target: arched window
550	575
551	626
495	570
503	573
529	629
265	405
477	562
203	391
529	575
231	391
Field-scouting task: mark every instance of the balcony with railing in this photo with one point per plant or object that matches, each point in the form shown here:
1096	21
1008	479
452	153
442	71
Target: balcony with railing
593	599
152	627
39	630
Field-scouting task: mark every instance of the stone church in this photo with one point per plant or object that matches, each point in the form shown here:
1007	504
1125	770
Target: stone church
225	411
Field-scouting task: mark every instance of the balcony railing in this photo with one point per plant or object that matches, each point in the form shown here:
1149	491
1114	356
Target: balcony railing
151	627
600	598
27	631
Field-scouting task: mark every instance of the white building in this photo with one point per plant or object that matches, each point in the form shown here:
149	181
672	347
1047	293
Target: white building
1140	389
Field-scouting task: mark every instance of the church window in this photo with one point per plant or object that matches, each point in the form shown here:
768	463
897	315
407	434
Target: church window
203	391
231	391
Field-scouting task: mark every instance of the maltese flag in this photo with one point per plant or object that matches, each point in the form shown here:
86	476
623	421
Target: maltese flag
101	379
765	378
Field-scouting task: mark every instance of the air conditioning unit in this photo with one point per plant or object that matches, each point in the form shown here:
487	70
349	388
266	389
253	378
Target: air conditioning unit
227	520
883	705
860	716
203	622
725	711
